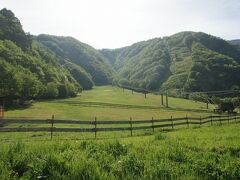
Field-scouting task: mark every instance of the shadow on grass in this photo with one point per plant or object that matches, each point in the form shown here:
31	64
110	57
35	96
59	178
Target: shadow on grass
12	108
24	107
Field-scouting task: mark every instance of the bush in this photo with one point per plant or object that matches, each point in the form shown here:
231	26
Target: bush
51	90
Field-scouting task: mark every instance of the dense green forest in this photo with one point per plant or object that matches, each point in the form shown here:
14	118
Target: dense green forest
92	63
188	61
27	70
46	66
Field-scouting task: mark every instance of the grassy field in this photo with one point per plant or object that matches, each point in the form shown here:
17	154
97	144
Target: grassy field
209	152
199	153
105	103
111	103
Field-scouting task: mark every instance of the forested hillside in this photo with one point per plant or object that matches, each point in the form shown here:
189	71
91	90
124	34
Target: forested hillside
47	66
187	61
94	66
235	41
27	70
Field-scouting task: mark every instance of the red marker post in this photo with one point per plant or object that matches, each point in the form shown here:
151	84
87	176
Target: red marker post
1	112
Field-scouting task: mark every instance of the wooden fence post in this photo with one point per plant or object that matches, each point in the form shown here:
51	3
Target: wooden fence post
200	119
172	121
162	99
52	126
207	105
145	95
211	121
228	118
95	125
152	125
220	120
187	121
131	125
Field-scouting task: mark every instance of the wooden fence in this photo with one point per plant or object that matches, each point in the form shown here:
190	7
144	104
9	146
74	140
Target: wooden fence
130	125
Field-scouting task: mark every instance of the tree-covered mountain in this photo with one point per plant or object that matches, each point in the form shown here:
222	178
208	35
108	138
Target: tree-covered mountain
189	61
80	75
91	62
47	66
11	29
28	71
235	42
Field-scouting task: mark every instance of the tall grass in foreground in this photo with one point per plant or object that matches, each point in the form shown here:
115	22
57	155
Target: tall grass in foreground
202	153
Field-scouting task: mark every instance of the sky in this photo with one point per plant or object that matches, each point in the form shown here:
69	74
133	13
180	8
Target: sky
118	23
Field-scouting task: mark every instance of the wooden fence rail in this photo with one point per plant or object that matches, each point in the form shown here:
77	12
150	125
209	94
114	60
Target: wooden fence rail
152	124
49	121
